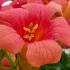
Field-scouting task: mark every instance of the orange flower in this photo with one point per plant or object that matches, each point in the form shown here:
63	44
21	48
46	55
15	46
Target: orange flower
31	25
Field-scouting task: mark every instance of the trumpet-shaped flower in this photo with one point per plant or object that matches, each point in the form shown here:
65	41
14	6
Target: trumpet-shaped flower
40	33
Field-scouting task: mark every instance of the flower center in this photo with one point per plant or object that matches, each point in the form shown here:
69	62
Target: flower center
30	31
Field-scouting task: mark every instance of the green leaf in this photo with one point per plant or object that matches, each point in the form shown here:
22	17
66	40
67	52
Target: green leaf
8	56
64	59
51	67
16	62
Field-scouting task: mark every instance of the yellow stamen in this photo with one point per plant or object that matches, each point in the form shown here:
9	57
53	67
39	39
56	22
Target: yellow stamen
29	37
27	29
31	25
31	29
34	28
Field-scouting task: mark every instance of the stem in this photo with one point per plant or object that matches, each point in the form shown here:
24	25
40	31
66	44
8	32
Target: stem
17	68
23	63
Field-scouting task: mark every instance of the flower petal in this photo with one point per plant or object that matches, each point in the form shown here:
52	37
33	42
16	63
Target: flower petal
53	8
61	30
69	21
18	3
14	19
6	8
34	1
10	40
50	9
62	2
2	1
38	13
45	1
43	52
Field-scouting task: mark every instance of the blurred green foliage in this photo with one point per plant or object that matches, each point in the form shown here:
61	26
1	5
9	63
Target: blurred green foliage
8	56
